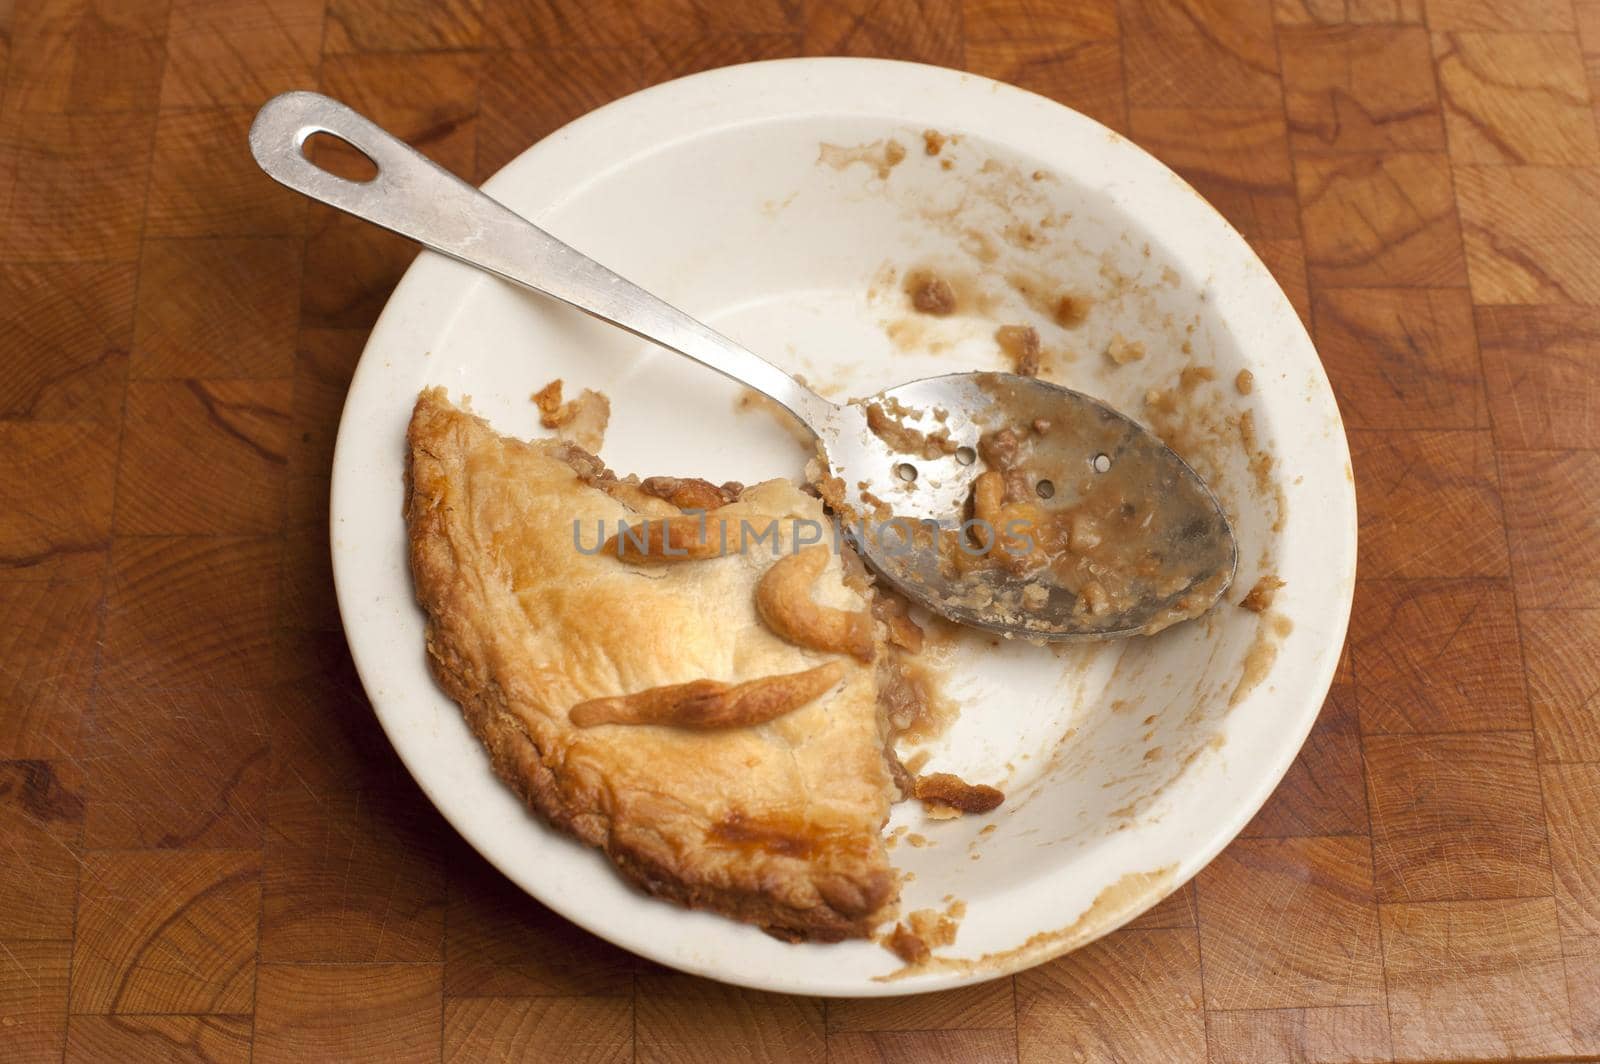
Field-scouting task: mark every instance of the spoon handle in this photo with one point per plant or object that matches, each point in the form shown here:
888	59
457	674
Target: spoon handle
413	196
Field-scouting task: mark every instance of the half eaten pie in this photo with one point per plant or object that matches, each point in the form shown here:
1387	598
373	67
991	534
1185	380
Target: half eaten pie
709	719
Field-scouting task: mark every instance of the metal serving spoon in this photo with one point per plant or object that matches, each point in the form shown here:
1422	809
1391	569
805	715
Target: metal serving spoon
1174	551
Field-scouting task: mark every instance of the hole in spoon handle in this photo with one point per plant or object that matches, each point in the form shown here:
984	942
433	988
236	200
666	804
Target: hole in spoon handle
278	141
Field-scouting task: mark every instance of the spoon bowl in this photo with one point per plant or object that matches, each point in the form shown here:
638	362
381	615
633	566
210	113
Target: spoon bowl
903	466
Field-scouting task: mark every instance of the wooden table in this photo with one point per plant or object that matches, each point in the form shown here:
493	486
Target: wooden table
207	849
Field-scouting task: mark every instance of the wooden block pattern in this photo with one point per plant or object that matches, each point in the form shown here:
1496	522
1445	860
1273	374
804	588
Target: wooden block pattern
1132	995
1347	12
350	879
1086	75
1581	957
208	850
1562	650
1320	892
1456	817
1409	485
501	945
988	1005
64	339
202	185
202	1039
1402	358
1539	369
912	1047
1542	16
191	612
1166	45
41	821
1238	160
1540	253
1570	791
1408	233
1348	1034
137	796
1539	115
679	1018
33	999
214	307
47	657
927	32
1438	656
203	457
167	932
1323	792
67	205
1552	510
85	58
61	534
238	53
589	1030
349	1012
388	26
1475	980
1357	88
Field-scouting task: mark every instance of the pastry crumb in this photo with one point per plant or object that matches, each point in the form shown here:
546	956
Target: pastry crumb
944	789
904	943
1259	599
1021	345
915	938
1245	382
933	141
930	293
1121	350
581	421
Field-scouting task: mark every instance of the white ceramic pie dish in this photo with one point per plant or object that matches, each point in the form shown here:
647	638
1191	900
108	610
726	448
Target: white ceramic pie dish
715	192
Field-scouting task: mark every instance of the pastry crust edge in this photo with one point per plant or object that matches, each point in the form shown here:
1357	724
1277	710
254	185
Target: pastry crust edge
516	758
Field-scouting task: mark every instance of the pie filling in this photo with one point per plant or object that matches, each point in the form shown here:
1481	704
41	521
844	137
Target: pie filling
665	669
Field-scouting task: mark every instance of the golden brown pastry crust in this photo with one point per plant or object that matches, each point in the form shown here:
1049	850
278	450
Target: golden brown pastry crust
783	598
710	703
777	824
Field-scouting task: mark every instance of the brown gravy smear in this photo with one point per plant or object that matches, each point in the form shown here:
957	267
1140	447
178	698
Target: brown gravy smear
886	420
1094	532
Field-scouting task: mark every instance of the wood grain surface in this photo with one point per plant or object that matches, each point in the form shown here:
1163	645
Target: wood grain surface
208	851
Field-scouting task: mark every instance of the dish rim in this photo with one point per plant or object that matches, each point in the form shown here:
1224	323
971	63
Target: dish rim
934	84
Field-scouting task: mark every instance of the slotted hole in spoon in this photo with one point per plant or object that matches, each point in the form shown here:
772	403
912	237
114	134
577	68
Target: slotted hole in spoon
966	455
339	157
1102	463
1045	488
906	472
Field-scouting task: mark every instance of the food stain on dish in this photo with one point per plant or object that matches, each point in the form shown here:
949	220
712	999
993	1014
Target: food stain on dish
879	156
1195	419
1271	631
1133	892
751	401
